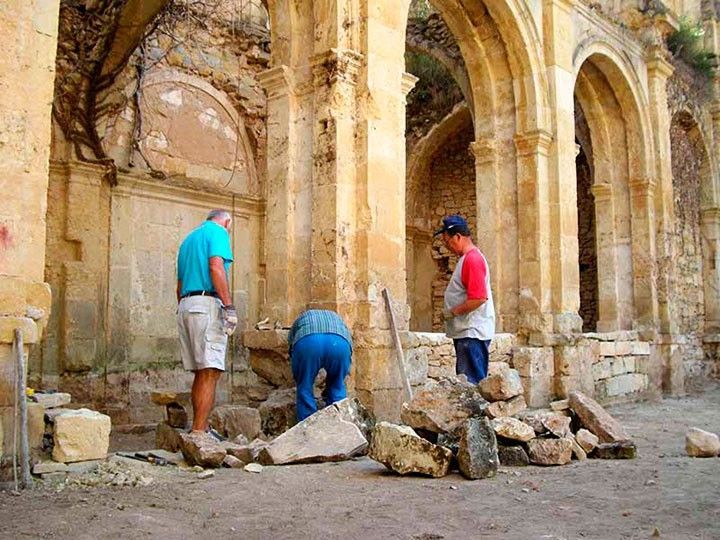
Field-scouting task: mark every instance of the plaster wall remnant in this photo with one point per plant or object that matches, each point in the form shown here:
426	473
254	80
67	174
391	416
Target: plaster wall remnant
165	110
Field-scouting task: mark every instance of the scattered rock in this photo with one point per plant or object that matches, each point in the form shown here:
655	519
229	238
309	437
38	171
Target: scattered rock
560	405
557	425
510	407
54	477
502	385
444	407
274	368
166	397
534	418
586	439
233	420
615	450
513	429
700	443
167	438
177	416
277	413
80	435
550	451
513	456
595	418
253	468
401	450
83	467
353	411
323	436
241	440
47	467
51	401
201	449
206	474
477	449
577	450
232	462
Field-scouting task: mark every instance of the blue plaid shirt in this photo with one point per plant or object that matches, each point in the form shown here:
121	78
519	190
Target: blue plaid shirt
317	321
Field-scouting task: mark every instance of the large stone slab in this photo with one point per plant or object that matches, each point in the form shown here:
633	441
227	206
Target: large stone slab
558	425
596	419
510	407
477	449
81	435
444	407
166	397
277	413
51	401
353	411
700	443
233	420
323	436
502	385
550	451
513	429
201	449
273	367
401	450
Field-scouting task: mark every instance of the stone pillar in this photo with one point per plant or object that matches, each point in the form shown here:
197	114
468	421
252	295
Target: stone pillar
606	258
334	181
535	313
27	65
289	194
710	230
643	255
565	271
659	70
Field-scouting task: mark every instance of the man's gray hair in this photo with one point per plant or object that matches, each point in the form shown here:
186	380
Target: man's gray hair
218	215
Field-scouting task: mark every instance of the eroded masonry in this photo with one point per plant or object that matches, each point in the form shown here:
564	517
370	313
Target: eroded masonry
578	138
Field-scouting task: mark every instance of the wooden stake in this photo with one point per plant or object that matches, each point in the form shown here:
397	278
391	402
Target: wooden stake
26	479
398	346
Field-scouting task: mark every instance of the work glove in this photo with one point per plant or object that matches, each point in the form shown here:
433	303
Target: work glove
230	319
447	314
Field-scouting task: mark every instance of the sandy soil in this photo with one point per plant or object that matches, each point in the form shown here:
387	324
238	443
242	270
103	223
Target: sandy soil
662	494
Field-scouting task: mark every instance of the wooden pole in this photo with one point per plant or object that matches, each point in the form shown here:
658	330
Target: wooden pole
26	479
398	346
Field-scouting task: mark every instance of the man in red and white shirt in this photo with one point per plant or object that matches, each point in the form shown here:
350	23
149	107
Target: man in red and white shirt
468	308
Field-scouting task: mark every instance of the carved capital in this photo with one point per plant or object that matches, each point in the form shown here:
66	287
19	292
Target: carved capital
602	191
640	187
277	82
533	142
408	83
484	150
710	215
336	65
658	67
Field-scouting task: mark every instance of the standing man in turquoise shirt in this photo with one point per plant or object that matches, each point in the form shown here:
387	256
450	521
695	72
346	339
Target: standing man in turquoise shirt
206	315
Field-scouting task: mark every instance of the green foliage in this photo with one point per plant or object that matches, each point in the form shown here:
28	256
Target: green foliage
686	43
421	9
436	86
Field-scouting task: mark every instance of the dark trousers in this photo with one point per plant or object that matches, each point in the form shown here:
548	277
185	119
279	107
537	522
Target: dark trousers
472	358
330	352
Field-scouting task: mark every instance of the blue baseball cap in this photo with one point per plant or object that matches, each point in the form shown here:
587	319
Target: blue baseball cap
454	224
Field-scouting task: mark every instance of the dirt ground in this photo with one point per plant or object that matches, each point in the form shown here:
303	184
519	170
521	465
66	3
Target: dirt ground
662	493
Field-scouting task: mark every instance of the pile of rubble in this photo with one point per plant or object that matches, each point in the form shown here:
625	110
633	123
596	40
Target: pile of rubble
476	428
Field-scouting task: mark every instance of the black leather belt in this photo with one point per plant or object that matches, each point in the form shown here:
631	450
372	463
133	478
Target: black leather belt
200	293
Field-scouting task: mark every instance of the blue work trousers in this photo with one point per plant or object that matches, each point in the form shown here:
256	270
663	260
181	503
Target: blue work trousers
472	358
311	353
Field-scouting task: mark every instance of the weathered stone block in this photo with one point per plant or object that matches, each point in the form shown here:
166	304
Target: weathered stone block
323	436
596	419
176	415
201	449
233	420
401	450
477	449
615	450
444	407
587	440
560	405
166	397
557	425
513	456
602	370
626	384
700	443
550	451
273	367
500	386
510	407
277	413
50	401
577	450
81	435
167	437
536	368
45	467
512	428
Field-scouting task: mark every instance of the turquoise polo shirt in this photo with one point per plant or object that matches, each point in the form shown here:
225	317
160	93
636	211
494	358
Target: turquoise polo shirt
193	270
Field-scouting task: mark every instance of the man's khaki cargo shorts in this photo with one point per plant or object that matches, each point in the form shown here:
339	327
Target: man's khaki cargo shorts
203	341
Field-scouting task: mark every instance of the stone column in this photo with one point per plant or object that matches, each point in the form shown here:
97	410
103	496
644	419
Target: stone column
710	223
565	271
535	313
28	70
334	181
607	270
643	255
289	195
659	70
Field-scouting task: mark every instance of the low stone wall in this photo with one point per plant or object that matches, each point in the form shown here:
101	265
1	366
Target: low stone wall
620	368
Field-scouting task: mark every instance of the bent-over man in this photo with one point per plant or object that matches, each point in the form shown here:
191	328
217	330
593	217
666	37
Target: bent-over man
468	304
206	315
319	339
